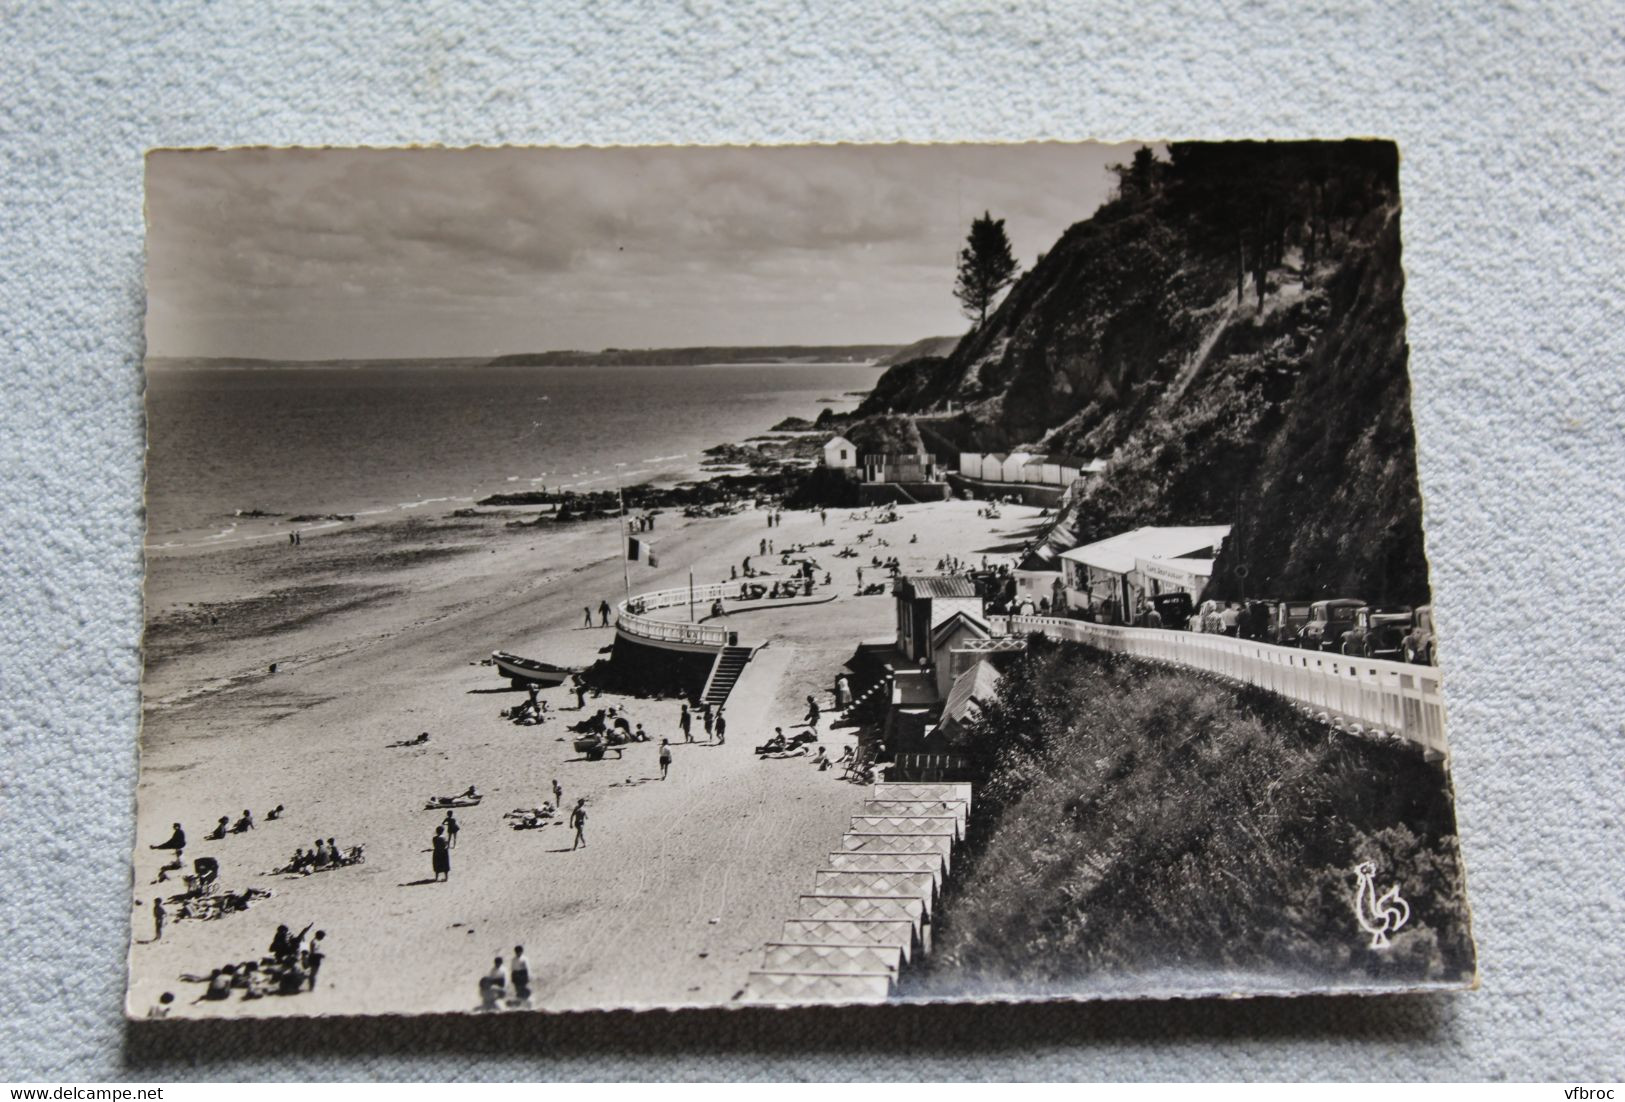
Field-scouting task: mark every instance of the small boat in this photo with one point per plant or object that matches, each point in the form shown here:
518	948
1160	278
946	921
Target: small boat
528	671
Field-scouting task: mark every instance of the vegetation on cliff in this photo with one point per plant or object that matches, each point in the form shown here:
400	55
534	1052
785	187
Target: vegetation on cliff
1228	334
1139	818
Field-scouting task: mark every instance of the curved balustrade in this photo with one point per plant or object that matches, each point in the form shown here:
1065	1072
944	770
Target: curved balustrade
1389	696
632	616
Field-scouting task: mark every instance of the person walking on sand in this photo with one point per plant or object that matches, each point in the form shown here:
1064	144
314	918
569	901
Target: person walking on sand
578	820
603	614
710	718
452	827
158	917
722	727
665	758
811	719
823	517
586	616
441	861
686	721
314	957
558	794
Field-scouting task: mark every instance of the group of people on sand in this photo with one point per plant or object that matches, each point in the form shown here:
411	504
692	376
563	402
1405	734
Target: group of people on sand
291	965
244	824
508	986
714	719
321	855
603	615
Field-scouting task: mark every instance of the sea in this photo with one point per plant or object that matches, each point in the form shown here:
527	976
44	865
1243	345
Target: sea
375	439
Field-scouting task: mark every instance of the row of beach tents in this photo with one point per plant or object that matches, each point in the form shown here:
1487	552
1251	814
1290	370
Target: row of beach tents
869	912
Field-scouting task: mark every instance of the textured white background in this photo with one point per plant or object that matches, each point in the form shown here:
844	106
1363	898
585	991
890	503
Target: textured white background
1508	120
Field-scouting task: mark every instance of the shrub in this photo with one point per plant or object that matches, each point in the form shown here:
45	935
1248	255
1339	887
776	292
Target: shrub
1138	817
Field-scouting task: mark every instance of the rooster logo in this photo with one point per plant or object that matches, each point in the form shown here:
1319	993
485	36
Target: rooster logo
1381	915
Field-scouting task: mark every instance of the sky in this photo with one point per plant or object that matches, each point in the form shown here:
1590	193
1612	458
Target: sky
356	254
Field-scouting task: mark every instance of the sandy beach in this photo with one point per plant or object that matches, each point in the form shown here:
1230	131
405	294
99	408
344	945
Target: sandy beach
378	633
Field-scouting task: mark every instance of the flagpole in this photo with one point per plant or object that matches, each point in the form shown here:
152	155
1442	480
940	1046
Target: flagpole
626	537
691	594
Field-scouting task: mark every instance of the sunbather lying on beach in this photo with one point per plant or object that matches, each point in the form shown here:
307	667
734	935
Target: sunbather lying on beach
419	741
466	799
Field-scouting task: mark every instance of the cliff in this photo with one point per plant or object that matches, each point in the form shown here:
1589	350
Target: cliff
1229	335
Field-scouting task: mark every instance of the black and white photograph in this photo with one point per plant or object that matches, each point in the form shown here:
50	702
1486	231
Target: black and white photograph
652	577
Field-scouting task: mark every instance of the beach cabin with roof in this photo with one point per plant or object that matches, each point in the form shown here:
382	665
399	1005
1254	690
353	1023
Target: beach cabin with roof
993	466
923	602
1033	469
970	464
1106	577
1010	470
840	454
947	637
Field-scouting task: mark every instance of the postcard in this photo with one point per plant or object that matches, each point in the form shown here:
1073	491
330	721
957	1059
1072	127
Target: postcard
676	576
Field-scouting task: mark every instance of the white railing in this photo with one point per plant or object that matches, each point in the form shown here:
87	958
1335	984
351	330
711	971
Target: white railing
660	630
1393	697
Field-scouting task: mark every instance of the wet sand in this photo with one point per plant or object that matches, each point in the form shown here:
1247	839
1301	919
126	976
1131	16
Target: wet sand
377	633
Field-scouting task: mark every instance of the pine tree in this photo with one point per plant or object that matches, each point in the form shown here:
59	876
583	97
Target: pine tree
986	267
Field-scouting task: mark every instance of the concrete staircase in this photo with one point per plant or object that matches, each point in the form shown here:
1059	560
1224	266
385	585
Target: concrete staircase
868	915
725	670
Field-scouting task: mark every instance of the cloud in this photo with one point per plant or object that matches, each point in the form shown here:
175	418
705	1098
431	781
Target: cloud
317	253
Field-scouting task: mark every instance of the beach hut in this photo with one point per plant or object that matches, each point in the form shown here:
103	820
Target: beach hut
1010	470
970	464
993	466
840	453
1033	470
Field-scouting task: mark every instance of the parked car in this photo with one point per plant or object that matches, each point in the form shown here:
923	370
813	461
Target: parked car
1285	622
1327	622
1417	646
1377	633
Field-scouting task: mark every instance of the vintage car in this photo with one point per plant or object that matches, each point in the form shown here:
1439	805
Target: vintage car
1417	646
1377	633
1327	622
1282	622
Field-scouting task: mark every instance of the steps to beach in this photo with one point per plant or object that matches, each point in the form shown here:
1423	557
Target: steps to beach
868	915
725	670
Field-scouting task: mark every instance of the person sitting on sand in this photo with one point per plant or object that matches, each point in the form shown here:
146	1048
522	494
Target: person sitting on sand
176	841
219	830
219	983
274	814
245	824
334	854
493	986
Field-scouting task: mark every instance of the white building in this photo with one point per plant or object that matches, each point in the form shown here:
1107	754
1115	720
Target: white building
970	464
840	453
1113	576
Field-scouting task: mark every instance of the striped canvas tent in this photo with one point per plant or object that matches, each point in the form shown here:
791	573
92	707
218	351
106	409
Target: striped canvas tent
907	824
882	842
912	790
852	959
889	862
835	905
805	987
916	808
921	885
